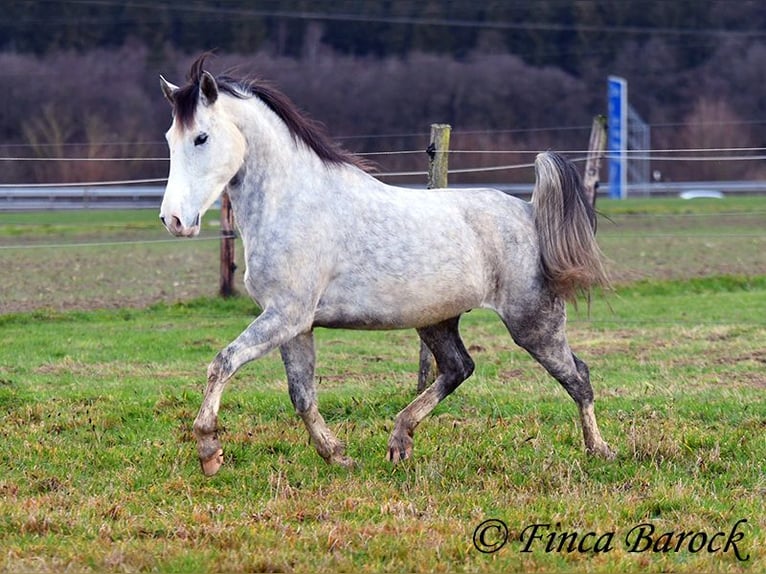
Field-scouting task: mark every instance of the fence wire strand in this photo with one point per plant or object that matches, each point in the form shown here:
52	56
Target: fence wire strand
641	155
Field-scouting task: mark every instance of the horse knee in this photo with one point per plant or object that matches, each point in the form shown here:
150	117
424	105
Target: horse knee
221	369
302	398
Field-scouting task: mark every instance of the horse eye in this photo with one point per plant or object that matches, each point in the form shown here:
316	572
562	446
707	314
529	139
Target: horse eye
200	139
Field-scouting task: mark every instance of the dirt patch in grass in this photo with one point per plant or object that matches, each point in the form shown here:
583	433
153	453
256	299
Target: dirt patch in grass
113	370
63	260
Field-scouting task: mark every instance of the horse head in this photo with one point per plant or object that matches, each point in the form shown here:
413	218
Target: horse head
207	150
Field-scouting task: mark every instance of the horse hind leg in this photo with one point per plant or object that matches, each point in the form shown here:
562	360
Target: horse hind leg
298	358
594	443
541	333
454	365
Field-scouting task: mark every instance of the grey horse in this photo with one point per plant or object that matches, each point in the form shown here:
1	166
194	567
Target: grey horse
327	244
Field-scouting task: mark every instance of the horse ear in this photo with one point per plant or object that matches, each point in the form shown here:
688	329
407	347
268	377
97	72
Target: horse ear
208	89
168	89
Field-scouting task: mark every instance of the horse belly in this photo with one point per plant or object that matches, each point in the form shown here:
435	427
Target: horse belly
398	302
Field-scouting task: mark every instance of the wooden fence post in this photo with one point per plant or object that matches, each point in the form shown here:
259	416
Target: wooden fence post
438	157
228	265
596	148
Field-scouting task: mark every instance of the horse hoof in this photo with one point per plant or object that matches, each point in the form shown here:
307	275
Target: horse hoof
603	451
608	454
213	464
344	461
395	455
399	448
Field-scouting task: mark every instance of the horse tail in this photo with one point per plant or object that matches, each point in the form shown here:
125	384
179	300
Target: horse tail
566	227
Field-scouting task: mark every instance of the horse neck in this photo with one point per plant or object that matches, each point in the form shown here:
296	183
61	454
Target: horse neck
278	169
273	154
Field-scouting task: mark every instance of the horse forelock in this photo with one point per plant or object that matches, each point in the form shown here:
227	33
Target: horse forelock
185	104
301	127
185	99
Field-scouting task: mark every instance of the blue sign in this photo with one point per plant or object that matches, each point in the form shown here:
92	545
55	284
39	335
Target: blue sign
617	136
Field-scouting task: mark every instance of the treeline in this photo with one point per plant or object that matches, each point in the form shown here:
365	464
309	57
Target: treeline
570	34
107	103
81	79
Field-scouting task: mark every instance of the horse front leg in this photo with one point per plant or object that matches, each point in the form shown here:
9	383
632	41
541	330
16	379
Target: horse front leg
267	332
298	358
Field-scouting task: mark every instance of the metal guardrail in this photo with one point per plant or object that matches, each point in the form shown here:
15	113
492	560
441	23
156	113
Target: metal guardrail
86	197
23	198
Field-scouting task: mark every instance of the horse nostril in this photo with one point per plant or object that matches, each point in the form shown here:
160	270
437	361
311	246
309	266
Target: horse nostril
173	224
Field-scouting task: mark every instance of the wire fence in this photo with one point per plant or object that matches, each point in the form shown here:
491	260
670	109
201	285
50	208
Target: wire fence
580	155
64	275
28	234
79	249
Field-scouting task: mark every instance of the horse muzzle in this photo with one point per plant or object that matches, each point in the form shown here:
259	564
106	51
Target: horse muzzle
176	226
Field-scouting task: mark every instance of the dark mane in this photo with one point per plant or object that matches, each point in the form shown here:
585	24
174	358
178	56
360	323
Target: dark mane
301	127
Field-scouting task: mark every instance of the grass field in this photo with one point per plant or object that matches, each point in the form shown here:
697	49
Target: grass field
97	259
96	406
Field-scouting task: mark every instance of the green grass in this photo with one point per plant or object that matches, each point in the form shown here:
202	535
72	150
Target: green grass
678	239
96	259
101	473
106	330
674	206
